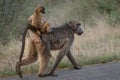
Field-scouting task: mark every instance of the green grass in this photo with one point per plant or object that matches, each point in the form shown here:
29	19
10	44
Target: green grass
7	72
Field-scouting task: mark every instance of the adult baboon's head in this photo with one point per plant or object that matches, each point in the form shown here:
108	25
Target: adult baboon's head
39	9
76	27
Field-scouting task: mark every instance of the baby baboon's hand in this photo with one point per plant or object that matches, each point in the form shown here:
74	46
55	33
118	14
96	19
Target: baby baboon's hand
36	39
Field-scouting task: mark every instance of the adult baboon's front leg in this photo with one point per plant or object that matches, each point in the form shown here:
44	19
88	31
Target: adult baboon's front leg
72	60
64	50
30	58
59	57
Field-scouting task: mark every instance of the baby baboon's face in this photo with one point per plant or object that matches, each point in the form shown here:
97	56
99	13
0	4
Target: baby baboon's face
40	9
76	26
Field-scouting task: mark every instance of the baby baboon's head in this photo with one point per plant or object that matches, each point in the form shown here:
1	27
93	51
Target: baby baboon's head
39	9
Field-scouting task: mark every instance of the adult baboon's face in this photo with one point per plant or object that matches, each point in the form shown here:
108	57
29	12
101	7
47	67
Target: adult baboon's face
76	27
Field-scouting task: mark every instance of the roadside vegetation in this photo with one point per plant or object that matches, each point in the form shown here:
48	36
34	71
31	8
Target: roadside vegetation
100	42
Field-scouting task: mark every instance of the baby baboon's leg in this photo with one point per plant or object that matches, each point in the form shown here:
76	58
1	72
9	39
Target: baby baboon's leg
72	60
47	27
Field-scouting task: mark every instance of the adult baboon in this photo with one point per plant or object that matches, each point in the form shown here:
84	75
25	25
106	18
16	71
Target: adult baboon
60	39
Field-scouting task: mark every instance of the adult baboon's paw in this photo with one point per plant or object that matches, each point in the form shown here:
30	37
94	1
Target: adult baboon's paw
53	75
42	75
77	67
39	75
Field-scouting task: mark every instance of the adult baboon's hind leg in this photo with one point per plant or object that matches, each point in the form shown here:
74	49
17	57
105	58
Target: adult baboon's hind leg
26	61
43	58
73	61
43	63
30	58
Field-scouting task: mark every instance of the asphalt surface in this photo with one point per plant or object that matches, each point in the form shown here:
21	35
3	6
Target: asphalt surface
109	71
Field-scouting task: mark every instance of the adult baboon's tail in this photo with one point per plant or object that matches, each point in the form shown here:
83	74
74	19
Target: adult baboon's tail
18	69
18	64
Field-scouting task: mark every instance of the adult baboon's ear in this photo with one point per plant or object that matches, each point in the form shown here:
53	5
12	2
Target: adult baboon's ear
70	24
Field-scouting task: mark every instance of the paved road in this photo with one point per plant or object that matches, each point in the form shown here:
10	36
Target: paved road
109	71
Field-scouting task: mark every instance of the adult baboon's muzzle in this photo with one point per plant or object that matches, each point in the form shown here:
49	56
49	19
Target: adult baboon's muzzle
80	30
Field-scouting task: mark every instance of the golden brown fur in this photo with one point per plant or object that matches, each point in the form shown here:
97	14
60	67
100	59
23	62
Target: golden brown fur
37	20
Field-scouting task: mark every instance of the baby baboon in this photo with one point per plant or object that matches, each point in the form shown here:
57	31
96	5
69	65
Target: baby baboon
60	39
38	20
